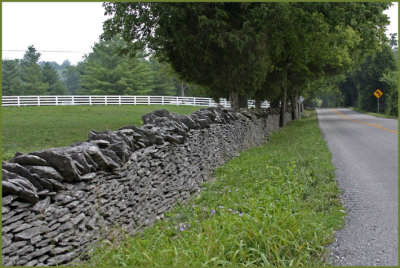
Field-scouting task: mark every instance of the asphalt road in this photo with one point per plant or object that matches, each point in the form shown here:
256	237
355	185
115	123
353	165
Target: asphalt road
365	153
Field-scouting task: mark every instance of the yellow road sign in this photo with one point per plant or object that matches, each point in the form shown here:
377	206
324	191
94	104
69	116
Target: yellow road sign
378	93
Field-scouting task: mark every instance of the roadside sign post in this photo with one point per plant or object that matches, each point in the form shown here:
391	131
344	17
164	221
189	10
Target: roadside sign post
378	93
299	101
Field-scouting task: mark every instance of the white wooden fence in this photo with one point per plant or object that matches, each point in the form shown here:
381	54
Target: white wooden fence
114	100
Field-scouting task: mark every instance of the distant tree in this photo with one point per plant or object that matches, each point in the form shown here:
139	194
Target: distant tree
11	78
71	78
368	77
65	64
104	71
391	89
52	79
163	81
393	40
31	74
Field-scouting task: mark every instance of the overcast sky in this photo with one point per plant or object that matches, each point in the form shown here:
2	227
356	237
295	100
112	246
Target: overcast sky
61	31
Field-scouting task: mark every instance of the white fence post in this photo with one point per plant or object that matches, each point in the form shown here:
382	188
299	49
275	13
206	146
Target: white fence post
177	101
148	100
73	100
134	100
18	101
56	100
90	100
162	100
209	102
38	100
119	100
105	100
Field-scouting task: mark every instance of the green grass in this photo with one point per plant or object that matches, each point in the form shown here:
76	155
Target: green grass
277	204
28	129
373	114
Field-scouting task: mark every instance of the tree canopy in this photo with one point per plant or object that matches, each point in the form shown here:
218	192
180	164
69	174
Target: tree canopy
261	50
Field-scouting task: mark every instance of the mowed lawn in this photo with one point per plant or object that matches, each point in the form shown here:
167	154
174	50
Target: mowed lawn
28	129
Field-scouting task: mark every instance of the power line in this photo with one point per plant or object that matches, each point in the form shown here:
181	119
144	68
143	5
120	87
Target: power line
45	51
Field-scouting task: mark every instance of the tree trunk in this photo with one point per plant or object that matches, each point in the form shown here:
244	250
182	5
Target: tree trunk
257	104
282	115
238	101
295	107
183	89
274	104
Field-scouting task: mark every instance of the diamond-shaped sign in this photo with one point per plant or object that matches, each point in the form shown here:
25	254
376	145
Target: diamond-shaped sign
378	93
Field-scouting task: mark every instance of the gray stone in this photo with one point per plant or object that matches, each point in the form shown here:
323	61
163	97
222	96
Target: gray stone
78	218
6	261
57	186
36	239
100	143
46	172
6	200
5	209
65	226
25	250
97	156
30	160
23	172
42	205
73	204
43	193
32	263
64	218
22	227
60	259
20	204
41	251
28	234
13	247
6	240
89	176
62	163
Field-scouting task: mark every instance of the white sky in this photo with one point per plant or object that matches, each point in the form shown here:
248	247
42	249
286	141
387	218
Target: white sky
70	27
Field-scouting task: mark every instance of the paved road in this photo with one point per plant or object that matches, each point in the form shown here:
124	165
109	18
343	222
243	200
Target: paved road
365	152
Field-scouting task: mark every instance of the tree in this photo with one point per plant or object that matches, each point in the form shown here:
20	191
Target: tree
106	72
11	79
71	78
51	78
239	48
217	45
163	81
31	74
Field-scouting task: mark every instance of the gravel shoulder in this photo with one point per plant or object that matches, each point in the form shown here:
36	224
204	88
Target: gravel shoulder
366	160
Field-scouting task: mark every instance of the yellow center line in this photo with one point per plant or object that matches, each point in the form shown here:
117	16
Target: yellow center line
358	121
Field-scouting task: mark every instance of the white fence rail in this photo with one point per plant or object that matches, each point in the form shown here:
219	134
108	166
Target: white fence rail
114	100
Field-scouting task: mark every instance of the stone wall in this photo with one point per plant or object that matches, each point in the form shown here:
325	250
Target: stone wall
58	202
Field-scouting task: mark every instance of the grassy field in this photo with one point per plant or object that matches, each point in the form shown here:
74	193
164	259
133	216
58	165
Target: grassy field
277	204
373	114
27	129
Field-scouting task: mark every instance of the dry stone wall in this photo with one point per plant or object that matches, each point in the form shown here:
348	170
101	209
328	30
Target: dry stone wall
57	203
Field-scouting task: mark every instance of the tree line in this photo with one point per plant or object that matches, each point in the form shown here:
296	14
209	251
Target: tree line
102	72
354	88
264	51
331	53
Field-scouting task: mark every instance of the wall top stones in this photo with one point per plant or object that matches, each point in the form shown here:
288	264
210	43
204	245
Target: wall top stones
36	175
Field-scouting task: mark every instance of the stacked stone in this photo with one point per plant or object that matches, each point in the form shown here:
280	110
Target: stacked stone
59	202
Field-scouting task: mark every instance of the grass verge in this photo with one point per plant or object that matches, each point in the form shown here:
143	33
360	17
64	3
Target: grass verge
373	114
28	129
277	204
